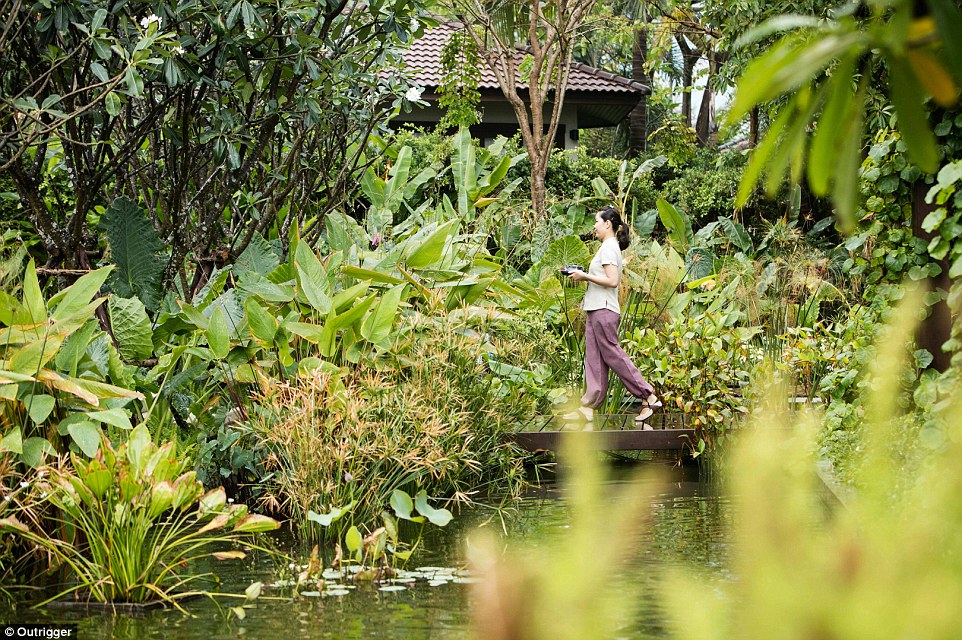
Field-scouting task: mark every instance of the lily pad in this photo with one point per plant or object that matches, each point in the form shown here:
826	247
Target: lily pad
392	587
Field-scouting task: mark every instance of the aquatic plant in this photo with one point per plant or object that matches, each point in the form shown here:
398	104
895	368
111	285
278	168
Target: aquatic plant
20	505
376	555
130	522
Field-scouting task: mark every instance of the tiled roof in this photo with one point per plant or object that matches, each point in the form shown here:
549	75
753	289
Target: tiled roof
424	58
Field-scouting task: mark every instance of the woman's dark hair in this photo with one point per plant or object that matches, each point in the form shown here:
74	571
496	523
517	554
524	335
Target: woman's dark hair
610	214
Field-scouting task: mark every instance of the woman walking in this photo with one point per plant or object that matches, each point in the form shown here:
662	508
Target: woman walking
602	351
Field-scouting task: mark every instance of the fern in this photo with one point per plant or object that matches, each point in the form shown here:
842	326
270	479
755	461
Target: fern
137	251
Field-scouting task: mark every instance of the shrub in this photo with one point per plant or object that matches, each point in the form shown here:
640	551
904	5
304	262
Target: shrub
699	366
705	188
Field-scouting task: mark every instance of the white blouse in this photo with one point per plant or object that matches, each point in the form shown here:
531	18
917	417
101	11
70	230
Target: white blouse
597	296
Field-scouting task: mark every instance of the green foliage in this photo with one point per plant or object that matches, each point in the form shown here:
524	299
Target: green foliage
676	140
570	176
281	113
621	195
705	189
131	327
701	367
803	567
460	74
132	519
848	350
55	370
919	53
388	196
136	250
884	248
430	421
569	250
375	556
678	226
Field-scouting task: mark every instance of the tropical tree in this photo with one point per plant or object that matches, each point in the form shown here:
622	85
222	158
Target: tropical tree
217	117
503	31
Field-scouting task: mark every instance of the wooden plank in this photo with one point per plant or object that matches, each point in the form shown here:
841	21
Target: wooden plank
615	440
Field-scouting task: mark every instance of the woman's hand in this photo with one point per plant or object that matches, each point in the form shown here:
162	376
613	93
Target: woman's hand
610	279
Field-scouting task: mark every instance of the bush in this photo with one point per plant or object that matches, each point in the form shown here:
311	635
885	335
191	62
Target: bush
705	188
698	365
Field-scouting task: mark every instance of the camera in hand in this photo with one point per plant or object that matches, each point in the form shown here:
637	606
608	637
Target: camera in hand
568	270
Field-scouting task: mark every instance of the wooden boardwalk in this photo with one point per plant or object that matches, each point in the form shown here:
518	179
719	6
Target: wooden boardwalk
611	432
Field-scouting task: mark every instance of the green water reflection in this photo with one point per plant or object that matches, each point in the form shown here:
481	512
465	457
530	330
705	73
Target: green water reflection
688	525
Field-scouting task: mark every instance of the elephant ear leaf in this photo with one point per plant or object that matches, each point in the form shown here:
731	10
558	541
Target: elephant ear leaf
137	251
131	327
569	250
258	258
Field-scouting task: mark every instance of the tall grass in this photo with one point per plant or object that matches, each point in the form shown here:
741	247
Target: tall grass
436	424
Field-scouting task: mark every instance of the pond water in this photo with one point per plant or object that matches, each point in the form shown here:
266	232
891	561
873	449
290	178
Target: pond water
688	527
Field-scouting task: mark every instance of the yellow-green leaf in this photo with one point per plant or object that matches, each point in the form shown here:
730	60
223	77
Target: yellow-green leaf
263	325
427	250
377	325
33	310
13	441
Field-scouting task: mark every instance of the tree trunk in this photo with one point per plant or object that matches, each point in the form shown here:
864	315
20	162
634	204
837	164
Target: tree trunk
753	128
638	118
538	194
689	57
936	329
706	111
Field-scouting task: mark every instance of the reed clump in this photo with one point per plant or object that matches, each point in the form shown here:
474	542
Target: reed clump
351	438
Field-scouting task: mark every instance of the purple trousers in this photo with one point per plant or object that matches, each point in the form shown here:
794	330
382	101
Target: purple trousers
602	352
